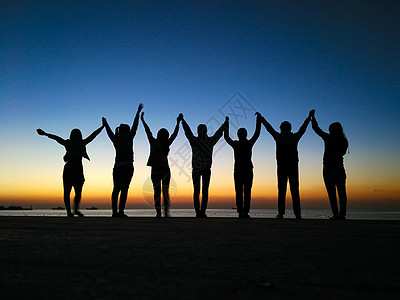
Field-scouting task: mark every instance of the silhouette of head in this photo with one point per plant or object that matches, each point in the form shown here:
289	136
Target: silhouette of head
162	134
242	134
336	129
286	127
75	135
202	130
122	129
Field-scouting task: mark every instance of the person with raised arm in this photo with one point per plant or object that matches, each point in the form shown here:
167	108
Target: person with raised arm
202	150
243	168
287	158
73	176
123	169
336	145
158	161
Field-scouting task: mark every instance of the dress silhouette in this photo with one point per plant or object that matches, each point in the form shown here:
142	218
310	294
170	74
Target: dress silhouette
202	149
158	161
287	158
123	166
243	169
73	176
334	174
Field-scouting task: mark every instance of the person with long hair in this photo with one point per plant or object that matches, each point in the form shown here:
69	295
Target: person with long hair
73	176
123	169
158	161
336	145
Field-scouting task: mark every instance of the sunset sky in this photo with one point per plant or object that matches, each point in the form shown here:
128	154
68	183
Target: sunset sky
66	64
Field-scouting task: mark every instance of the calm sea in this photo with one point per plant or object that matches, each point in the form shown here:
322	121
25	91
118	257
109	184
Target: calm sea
214	213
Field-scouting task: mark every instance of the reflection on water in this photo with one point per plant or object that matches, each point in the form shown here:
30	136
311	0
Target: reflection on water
213	213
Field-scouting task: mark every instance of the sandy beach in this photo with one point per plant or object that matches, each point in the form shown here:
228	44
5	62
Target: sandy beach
186	258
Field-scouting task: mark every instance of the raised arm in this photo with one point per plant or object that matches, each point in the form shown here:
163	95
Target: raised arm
226	132
317	129
93	135
268	126
176	130
136	120
110	134
303	127
218	134
258	128
187	130
51	136
146	128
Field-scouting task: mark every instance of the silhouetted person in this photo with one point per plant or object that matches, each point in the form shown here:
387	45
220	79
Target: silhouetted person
243	169
158	161
73	176
336	145
123	166
287	158
202	149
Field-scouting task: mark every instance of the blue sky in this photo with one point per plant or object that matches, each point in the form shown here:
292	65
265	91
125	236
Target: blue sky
66	64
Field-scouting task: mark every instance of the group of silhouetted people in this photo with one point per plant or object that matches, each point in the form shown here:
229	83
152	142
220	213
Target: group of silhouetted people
202	145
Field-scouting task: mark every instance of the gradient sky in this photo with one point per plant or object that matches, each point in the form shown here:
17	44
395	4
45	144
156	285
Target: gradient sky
65	64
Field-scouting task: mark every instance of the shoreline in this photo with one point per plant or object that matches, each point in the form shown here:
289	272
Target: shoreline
319	214
227	258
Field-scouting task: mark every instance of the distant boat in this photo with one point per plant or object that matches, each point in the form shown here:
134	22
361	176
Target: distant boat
13	207
58	208
92	208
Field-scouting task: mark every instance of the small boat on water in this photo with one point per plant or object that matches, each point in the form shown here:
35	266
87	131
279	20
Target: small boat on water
58	208
13	207
92	208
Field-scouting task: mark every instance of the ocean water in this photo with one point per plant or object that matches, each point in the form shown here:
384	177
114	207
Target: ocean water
213	213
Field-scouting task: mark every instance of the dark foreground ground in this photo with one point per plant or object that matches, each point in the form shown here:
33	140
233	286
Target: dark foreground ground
185	258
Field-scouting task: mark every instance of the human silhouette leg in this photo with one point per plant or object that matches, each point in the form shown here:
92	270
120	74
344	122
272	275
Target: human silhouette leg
294	190
156	180
196	190
331	190
282	186
73	178
206	176
122	178
122	202
115	192
248	183
77	199
67	201
341	189
239	191
165	190
342	199
114	201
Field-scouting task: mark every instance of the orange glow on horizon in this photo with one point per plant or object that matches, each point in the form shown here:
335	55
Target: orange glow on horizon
46	190
137	200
